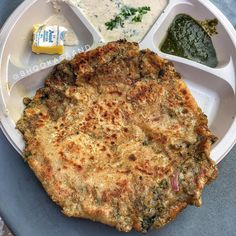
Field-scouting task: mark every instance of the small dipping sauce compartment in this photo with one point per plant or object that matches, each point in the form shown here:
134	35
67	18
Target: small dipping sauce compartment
188	39
121	19
198	17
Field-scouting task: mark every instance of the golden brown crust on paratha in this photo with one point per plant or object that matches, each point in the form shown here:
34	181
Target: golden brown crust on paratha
116	136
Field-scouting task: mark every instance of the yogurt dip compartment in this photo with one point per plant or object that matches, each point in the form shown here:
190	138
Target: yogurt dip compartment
213	88
93	11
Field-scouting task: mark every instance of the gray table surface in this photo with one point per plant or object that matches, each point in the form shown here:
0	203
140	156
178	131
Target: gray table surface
217	216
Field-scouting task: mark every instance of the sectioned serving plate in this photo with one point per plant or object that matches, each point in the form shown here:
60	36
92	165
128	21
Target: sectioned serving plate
22	72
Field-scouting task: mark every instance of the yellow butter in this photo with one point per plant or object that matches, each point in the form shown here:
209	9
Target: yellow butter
48	50
48	39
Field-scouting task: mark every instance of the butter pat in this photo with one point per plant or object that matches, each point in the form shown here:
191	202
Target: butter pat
48	39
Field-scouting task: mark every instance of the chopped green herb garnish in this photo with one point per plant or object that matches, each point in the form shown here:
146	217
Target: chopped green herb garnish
126	13
141	11
137	18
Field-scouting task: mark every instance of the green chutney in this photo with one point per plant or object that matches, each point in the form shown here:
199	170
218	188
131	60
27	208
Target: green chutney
186	38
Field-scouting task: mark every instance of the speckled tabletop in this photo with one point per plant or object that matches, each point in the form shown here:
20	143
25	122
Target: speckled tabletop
217	216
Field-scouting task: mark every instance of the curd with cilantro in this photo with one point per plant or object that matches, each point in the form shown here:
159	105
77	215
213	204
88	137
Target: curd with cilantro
121	19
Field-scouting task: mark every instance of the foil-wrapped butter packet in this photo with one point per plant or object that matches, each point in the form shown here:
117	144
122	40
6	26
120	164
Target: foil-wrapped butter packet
48	39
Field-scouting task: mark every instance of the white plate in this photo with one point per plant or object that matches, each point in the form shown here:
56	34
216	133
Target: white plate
23	72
